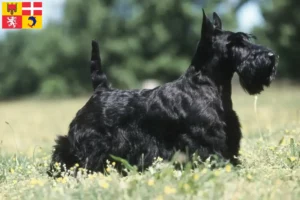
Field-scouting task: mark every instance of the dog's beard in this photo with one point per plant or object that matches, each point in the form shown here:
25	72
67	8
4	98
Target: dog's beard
256	73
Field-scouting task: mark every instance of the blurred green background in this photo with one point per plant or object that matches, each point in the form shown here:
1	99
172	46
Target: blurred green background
139	40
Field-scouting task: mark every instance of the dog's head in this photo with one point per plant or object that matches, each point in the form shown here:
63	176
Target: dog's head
222	53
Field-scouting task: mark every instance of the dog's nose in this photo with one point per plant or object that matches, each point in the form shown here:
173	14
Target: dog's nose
271	55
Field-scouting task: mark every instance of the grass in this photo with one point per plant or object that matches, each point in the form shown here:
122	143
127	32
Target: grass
270	155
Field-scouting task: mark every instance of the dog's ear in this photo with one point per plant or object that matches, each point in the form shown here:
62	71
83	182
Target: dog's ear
217	21
207	28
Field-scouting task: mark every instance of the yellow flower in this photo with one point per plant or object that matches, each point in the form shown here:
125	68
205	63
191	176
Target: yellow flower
159	159
76	165
249	177
104	184
36	182
186	187
287	131
196	177
160	197
272	148
12	170
151	182
292	158
204	171
228	168
92	176
108	169
169	190
217	173
33	181
113	164
61	180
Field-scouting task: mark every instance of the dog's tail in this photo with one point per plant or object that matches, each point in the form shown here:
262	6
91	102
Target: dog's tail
63	157
97	75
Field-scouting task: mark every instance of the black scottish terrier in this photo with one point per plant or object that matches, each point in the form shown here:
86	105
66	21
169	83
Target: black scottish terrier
192	113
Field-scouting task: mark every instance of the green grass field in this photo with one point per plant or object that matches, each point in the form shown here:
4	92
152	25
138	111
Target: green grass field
270	155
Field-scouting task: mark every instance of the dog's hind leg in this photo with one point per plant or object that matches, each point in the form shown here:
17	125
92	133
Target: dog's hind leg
97	75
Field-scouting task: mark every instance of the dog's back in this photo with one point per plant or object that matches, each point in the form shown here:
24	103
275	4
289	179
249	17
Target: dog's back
138	125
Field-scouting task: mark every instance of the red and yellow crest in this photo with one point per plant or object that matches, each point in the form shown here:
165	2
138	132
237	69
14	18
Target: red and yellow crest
22	15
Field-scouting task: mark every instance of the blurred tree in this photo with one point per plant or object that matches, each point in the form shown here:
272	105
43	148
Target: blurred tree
281	31
138	40
15	76
142	39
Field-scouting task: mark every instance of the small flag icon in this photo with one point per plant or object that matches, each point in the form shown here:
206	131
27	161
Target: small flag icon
22	15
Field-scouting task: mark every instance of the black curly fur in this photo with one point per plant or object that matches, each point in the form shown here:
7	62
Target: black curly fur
192	113
97	75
